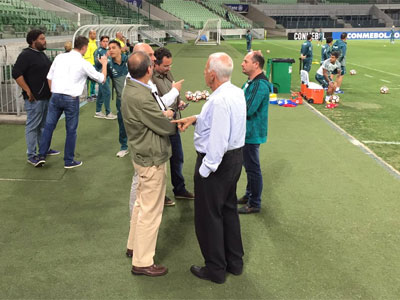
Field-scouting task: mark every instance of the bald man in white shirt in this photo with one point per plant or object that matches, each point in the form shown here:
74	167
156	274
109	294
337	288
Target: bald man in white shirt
219	137
67	78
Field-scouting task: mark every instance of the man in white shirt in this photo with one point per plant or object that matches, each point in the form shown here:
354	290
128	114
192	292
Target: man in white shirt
67	78
218	138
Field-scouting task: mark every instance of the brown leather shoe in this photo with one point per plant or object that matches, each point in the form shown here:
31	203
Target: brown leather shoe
185	195
168	202
129	252
248	210
151	271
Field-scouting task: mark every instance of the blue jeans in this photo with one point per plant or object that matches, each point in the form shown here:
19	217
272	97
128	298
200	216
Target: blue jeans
123	139
251	161
36	112
104	96
176	162
59	104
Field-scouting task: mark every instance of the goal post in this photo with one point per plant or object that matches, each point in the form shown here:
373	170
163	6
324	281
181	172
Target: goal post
210	34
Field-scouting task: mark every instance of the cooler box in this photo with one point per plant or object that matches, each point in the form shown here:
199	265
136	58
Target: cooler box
303	89
314	93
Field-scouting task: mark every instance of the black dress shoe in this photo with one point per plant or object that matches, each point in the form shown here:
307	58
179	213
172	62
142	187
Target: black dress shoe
129	253
234	271
202	273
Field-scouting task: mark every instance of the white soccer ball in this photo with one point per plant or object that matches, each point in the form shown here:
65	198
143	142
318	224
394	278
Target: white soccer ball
207	93
353	72
334	99
188	95
384	90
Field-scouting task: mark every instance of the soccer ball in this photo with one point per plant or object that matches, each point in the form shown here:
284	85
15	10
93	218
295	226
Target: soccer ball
384	90
198	95
334	99
189	95
353	72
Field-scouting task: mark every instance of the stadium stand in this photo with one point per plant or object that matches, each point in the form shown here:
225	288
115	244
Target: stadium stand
217	6
110	8
18	16
192	13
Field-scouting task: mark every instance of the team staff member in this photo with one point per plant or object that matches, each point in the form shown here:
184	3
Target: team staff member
306	53
163	79
249	39
324	74
67	77
104	88
89	56
256	90
326	50
30	71
218	138
148	128
166	101
117	70
120	38
341	47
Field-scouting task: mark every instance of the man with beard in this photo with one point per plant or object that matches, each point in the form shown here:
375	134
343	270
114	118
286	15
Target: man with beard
30	71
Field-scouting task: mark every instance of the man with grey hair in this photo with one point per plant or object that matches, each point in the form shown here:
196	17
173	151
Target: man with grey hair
148	127
219	137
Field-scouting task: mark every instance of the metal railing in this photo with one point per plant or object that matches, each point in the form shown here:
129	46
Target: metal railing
11	101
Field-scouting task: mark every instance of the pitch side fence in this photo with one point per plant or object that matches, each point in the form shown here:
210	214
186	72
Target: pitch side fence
11	101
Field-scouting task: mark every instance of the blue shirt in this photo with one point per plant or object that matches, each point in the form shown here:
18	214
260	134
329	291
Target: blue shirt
221	126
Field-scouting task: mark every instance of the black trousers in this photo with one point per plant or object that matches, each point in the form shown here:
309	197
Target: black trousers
216	219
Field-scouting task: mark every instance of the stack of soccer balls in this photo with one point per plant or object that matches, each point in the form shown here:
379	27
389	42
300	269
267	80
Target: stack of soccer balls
353	72
197	95
334	99
384	90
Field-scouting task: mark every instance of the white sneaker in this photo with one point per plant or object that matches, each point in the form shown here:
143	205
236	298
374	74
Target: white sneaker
110	116
122	153
99	115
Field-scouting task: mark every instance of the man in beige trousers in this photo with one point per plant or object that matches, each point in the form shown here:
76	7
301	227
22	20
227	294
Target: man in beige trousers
148	127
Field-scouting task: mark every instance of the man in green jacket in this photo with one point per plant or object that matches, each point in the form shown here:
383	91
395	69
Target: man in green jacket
256	91
148	127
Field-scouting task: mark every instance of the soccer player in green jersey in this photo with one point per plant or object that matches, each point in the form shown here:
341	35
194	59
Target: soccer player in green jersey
326	50
341	47
117	69
104	94
392	31
323	75
306	53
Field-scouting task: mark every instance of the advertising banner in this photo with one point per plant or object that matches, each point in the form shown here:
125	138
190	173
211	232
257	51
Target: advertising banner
240	8
303	35
366	35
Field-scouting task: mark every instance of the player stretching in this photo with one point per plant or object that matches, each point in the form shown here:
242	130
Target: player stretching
323	75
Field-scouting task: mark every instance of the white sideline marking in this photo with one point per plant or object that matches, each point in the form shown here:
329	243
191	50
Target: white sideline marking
381	142
376	70
35	180
387	81
366	75
356	142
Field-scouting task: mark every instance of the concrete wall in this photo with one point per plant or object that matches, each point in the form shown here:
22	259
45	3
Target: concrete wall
258	16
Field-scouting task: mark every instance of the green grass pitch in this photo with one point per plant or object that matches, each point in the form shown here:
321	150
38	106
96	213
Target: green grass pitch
329	226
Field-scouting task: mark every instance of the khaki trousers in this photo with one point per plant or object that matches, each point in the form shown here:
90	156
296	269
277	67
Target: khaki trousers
147	213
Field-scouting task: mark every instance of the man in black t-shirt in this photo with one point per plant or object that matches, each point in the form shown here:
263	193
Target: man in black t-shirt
30	71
